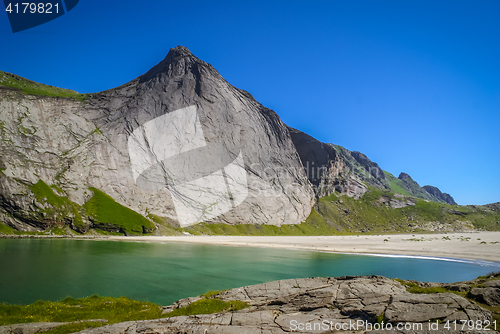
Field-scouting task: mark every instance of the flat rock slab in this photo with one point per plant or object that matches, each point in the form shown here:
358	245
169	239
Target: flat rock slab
38	327
319	305
31	328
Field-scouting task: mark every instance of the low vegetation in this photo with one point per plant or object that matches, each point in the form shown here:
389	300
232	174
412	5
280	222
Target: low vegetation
395	184
70	310
314	225
34	88
414	287
5	229
208	306
57	208
96	311
343	215
372	213
58	215
335	214
109	215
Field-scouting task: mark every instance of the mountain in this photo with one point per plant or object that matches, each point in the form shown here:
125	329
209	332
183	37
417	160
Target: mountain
439	196
56	151
172	148
332	168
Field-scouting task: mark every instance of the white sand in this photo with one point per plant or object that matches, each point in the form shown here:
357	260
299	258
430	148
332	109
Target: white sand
470	246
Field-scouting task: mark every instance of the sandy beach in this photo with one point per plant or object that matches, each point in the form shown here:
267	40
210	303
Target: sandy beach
472	246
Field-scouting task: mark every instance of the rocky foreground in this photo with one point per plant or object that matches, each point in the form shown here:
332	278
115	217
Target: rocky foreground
365	304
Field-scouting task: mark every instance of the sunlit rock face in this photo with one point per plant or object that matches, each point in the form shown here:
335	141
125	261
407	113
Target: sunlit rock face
205	181
178	142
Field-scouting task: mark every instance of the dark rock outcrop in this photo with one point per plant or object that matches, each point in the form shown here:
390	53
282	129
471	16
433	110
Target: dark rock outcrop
440	195
489	296
429	193
331	168
412	187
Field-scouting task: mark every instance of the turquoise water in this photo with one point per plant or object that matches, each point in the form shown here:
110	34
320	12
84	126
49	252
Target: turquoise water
163	273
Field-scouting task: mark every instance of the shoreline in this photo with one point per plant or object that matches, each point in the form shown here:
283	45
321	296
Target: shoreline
482	246
451	246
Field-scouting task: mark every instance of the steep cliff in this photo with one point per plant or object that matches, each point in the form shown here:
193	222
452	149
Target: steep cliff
178	144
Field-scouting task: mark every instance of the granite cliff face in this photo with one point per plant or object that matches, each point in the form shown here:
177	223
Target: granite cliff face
178	143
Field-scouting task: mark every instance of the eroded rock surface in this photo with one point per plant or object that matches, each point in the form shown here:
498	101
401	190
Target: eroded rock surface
317	305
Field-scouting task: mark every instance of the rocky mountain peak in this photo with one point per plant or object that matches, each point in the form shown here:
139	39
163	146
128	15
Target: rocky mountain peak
180	50
178	61
426	192
405	177
440	195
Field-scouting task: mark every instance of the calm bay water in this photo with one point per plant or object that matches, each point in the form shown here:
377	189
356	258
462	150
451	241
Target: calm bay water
163	273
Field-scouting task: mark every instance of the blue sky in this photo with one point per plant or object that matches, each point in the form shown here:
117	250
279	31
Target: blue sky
415	85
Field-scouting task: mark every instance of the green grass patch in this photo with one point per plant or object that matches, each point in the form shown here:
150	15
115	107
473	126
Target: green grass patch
74	328
44	193
58	208
208	306
58	231
165	226
481	218
114	310
380	318
495	310
111	216
68	310
211	294
34	88
493	275
396	184
6	229
314	225
342	215
104	232
415	288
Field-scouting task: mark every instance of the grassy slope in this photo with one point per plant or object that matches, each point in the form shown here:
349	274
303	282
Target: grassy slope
367	214
332	215
314	225
34	88
58	207
396	184
110	215
335	214
94	307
